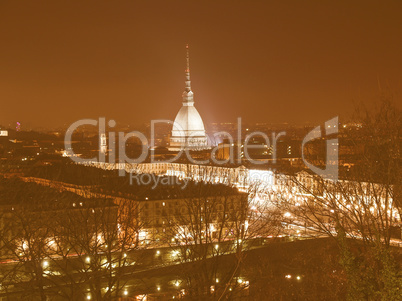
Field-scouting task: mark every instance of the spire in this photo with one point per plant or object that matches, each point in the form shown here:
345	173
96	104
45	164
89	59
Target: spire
188	94
188	59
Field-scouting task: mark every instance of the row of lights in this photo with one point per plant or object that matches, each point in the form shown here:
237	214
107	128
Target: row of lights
125	293
177	284
288	276
45	263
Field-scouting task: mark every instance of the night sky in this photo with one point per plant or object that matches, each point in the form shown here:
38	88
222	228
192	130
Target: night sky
266	61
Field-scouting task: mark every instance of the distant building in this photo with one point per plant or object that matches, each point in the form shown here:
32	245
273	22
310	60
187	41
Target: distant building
48	214
188	132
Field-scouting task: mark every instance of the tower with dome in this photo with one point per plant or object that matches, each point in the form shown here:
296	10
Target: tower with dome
188	130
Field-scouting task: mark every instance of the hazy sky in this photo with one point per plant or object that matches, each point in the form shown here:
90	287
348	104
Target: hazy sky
266	61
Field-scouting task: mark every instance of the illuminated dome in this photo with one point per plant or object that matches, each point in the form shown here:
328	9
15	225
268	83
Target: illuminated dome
189	120
188	130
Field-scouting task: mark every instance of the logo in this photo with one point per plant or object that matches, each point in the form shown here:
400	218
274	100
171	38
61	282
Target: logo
112	146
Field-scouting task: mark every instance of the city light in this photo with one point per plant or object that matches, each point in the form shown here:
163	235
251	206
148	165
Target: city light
119	179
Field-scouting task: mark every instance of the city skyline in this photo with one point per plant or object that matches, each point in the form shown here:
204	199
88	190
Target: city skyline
266	62
200	150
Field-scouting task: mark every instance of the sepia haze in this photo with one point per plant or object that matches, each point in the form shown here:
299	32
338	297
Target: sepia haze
263	61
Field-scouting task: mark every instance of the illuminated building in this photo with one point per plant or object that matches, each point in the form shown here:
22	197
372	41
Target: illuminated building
171	218
103	143
188	131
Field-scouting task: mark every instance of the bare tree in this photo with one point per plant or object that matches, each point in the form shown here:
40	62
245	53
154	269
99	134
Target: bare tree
360	210
209	228
73	245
